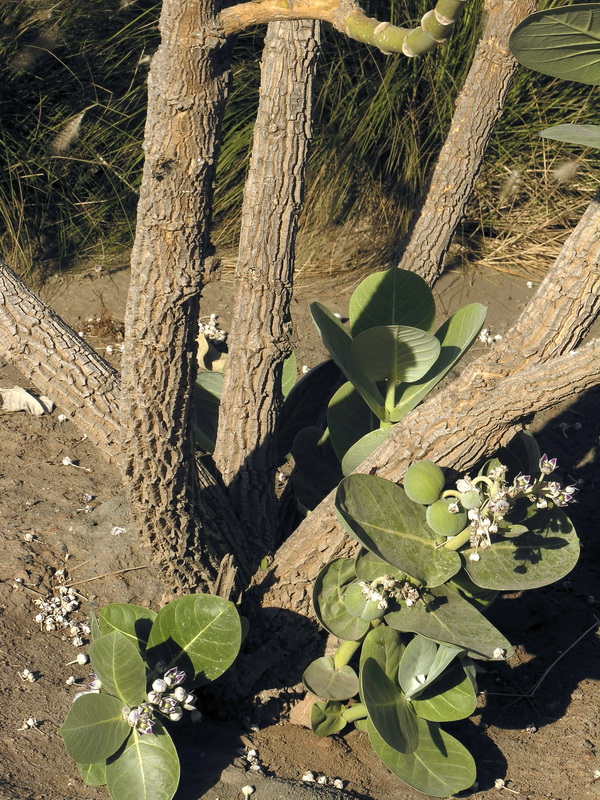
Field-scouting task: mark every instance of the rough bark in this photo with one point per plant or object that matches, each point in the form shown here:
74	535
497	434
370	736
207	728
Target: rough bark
59	363
534	368
478	108
261	330
187	87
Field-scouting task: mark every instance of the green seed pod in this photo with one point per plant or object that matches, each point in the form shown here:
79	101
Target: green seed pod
359	605
471	499
442	522
423	482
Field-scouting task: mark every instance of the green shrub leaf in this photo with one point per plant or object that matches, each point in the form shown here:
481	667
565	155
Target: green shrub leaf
349	418
391	715
563	42
146	769
117	662
543	555
289	373
583	135
132	621
368	566
395	353
392	297
423	662
205	408
339	343
323	679
439	766
448	618
200	633
363	449
328	601
326	718
450	697
378	513
383	644
94	728
455	336
93	774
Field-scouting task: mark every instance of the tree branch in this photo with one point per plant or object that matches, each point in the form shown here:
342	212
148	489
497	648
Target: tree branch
261	331
478	108
348	18
59	363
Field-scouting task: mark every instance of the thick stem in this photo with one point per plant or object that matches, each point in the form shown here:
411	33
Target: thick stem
261	332
478	108
187	87
343	655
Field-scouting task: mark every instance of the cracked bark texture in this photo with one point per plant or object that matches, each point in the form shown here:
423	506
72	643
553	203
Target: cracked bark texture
59	363
533	368
261	330
187	87
478	108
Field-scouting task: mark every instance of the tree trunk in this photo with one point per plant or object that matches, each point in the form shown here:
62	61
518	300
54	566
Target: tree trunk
478	108
534	368
261	331
187	88
59	363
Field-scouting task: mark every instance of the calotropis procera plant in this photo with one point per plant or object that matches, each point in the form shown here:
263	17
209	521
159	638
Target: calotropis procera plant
565	43
410	608
145	665
392	357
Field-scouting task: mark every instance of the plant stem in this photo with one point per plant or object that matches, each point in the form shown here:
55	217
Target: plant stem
354	712
454	542
344	653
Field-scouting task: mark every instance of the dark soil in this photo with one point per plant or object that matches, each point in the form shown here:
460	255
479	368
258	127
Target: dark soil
537	724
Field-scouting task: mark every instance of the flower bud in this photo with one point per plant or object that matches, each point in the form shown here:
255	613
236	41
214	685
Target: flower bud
176	715
160	685
180	694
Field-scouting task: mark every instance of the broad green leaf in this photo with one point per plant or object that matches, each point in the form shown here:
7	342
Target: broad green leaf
93	774
395	352
448	618
478	597
583	135
289	373
455	336
95	631
368	566
423	663
349	418
391	297
117	662
206	400
305	403
199	631
339	343
146	769
328	601
450	697
378	513
383	644
363	449
94	728
391	715
326	718
544	555
314	458
563	42
521	455
439	766
323	679
132	621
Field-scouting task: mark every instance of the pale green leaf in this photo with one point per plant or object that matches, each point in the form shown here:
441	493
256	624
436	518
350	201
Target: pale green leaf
117	662
391	715
349	418
383	644
328	601
323	679
391	297
93	774
146	769
563	42
450	697
583	135
200	633
363	449
131	620
378	513
94	728
395	352
326	718
439	766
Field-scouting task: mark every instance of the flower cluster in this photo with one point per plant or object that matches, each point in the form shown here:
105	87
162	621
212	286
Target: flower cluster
211	329
54	614
489	498
386	587
166	696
